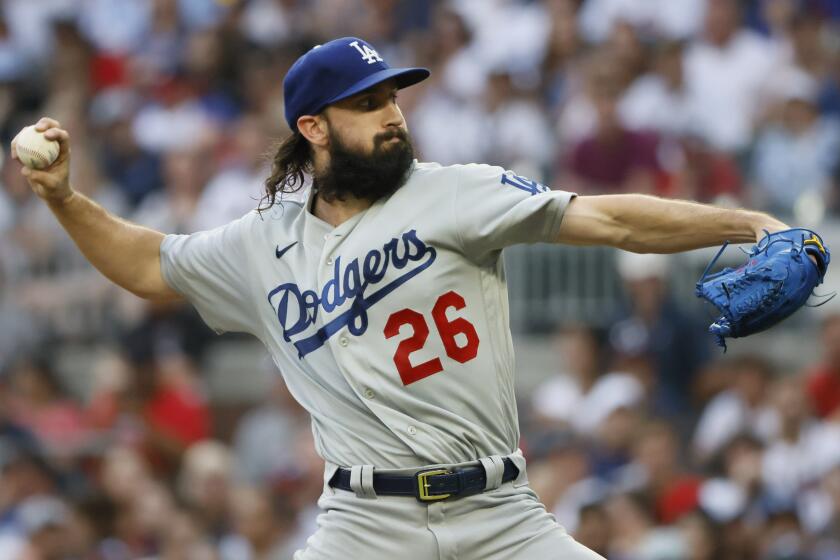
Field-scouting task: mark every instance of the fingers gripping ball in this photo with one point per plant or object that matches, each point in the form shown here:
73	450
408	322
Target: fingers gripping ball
776	280
34	150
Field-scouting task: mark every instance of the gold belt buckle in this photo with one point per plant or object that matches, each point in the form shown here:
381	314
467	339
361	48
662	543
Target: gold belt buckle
423	485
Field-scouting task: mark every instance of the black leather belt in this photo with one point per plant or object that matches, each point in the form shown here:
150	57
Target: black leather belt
429	485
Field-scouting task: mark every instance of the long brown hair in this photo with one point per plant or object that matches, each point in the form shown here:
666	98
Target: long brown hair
291	162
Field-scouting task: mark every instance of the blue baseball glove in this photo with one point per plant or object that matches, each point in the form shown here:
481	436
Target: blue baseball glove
776	280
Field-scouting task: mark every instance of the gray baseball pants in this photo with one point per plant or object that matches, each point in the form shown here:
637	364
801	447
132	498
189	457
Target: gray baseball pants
504	523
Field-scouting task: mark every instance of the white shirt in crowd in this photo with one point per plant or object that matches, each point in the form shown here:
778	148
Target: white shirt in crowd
725	86
674	19
726	416
649	104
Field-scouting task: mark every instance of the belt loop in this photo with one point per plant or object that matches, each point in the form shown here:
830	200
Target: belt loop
361	481
494	468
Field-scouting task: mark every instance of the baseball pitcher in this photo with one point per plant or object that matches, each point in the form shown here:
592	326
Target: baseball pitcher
381	297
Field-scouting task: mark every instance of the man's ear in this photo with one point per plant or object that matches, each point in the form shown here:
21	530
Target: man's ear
314	128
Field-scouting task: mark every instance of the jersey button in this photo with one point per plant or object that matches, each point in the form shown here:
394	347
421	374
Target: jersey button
329	261
343	341
369	394
412	430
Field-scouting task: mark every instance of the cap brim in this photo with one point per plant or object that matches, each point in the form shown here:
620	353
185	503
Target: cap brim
404	76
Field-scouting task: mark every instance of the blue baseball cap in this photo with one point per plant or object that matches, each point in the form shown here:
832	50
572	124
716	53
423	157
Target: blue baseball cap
336	70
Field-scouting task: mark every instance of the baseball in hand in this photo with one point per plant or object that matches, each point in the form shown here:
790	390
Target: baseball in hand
34	150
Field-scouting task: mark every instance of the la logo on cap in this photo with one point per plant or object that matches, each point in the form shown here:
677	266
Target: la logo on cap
331	72
368	54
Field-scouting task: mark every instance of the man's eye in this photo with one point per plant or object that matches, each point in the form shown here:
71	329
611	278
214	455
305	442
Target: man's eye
366	103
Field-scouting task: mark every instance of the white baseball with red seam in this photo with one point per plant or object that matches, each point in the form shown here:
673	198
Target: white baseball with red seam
34	150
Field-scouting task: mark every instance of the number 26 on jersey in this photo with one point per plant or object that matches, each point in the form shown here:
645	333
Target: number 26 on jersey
460	348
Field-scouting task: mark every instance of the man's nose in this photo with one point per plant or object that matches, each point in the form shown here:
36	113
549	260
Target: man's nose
393	116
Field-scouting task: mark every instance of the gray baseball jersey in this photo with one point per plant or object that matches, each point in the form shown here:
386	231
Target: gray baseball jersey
392	328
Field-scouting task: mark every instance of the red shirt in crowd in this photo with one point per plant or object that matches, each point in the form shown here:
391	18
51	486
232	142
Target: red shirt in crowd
824	390
176	412
179	412
609	164
678	498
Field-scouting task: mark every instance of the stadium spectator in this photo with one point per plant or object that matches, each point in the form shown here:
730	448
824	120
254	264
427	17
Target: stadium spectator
265	436
158	409
800	451
40	403
123	475
185	176
237	187
737	494
564	48
261	526
658	18
777	19
625	45
558	397
795	159
612	158
45	527
724	74
656	471
824	377
740	409
204	484
696	170
184	539
592	529
658	101
574	103
172	103
701	537
136	172
458	79
18	332
652	326
558	463
635	533
515	134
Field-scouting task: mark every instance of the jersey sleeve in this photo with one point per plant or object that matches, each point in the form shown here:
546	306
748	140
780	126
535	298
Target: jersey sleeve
210	269
495	208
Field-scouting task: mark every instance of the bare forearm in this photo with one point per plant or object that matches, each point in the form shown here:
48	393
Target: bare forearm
127	254
667	226
647	224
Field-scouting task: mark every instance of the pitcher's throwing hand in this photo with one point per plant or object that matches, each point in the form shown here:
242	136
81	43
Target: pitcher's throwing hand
53	182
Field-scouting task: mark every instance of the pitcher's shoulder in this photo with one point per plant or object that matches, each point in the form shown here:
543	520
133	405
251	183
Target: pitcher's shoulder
281	210
425	169
277	219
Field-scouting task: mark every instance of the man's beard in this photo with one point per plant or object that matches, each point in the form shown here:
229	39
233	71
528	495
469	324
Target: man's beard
366	176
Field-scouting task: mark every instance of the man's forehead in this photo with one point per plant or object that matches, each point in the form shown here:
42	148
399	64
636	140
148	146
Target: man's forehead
382	87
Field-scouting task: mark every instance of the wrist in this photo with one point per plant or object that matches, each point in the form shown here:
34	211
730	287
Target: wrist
764	223
60	200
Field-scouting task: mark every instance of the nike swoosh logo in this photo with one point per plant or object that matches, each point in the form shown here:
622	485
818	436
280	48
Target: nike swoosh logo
278	252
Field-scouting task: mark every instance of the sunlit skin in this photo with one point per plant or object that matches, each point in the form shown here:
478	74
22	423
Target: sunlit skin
357	120
129	254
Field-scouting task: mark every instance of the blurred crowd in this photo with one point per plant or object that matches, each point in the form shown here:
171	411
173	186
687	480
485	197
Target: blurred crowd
644	442
647	446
